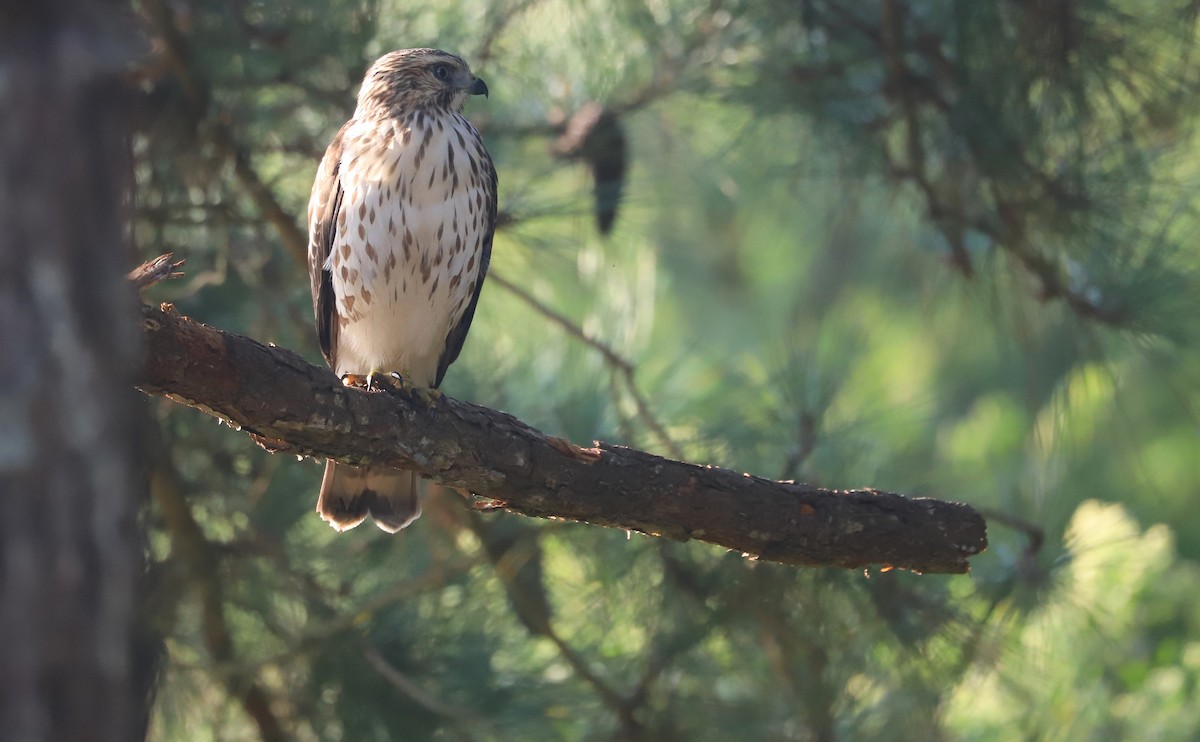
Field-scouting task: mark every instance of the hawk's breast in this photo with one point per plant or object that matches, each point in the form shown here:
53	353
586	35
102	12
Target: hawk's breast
407	250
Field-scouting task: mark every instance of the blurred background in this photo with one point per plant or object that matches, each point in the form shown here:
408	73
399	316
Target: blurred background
942	248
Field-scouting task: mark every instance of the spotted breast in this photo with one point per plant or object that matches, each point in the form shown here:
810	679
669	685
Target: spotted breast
410	250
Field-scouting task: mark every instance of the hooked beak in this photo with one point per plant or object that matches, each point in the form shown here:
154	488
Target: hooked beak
479	87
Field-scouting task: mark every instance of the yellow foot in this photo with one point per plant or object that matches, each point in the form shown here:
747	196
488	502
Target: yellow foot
374	380
391	381
395	381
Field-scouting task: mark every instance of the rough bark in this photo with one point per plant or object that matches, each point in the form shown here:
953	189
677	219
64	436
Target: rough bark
288	404
69	548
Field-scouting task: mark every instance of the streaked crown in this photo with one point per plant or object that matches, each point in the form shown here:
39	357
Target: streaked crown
410	79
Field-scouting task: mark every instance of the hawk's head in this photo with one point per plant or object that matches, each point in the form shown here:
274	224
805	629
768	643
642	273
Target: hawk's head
410	79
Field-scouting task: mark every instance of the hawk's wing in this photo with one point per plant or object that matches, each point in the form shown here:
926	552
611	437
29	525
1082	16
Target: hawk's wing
458	333
323	208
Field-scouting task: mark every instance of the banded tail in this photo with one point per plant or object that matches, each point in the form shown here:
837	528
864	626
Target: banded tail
350	493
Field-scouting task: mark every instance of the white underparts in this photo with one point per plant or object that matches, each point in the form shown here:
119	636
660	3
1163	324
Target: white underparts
407	247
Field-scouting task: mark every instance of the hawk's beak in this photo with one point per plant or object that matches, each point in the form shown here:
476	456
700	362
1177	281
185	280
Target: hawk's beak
479	87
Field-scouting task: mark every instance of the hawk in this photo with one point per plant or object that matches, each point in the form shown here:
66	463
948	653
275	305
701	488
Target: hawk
400	224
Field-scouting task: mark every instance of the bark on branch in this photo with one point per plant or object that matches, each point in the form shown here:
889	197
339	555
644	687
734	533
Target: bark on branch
288	404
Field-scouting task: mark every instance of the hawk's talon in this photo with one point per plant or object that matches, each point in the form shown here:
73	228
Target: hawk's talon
395	382
371	381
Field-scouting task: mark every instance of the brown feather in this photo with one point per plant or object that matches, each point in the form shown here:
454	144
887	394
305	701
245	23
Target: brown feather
323	209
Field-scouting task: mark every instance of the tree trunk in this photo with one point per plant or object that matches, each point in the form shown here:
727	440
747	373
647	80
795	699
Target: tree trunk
69	420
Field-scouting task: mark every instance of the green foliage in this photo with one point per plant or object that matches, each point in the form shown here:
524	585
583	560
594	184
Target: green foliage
1098	658
942	248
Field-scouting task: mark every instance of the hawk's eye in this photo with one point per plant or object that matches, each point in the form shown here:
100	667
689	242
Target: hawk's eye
441	71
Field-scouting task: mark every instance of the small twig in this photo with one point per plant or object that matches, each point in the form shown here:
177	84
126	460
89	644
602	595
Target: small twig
563	322
647	415
498	23
1035	533
153	271
415	693
806	442
611	697
623	367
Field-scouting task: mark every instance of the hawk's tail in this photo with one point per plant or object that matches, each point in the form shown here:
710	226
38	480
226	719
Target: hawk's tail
350	493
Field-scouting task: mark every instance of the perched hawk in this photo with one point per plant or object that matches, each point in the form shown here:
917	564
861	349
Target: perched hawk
400	232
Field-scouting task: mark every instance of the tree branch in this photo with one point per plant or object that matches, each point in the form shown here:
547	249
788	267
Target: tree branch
288	404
